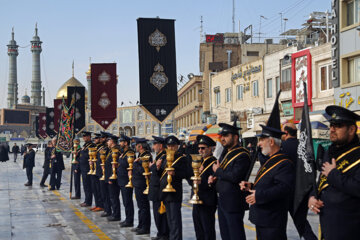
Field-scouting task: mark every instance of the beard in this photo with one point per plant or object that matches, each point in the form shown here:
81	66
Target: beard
265	150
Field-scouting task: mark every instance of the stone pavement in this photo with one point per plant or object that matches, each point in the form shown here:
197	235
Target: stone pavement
36	213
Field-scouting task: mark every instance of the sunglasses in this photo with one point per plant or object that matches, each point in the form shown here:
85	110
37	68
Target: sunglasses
202	148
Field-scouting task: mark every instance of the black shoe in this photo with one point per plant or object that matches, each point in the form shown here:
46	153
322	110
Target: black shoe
43	185
156	238
113	219
28	184
72	198
51	189
125	224
105	214
142	232
135	229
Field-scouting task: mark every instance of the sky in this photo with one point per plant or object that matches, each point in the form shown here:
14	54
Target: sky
106	31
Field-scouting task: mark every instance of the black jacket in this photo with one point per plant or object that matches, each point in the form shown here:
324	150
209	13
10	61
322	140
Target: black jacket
139	180
234	164
207	193
83	158
122	172
289	147
29	159
180	166
15	149
100	147
154	185
273	184
57	163
340	216
47	157
4	156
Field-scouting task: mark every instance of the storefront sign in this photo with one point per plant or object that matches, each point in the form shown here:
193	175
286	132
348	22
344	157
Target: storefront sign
348	98
335	50
287	108
247	72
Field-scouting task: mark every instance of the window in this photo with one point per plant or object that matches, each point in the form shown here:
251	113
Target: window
252	53
228	95
354	70
285	82
140	115
148	129
277	79
269	88
140	130
353	12
240	92
325	78
217	98
255	88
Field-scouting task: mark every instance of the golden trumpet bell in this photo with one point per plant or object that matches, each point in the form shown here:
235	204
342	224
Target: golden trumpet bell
170	155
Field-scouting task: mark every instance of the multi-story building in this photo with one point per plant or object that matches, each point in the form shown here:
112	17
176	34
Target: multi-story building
188	114
345	63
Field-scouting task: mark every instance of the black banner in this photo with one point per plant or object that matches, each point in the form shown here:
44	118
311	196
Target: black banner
157	66
79	104
50	125
305	167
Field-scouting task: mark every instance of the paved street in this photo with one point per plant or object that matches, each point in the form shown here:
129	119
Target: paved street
36	213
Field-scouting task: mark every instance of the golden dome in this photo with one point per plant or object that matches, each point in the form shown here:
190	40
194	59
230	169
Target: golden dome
72	82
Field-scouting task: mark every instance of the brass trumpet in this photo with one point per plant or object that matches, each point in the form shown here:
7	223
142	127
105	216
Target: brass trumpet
92	151
76	145
114	155
170	155
102	157
130	159
196	164
145	164
94	160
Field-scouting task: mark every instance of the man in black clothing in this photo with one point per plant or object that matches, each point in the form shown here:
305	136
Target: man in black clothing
95	182
229	171
57	166
139	182
46	165
154	188
85	167
114	190
204	214
339	185
15	151
76	170
29	164
289	146
123	179
172	200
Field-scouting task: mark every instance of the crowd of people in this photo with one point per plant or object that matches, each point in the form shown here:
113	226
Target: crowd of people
118	171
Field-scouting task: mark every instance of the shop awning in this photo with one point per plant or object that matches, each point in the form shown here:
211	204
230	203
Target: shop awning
213	132
199	131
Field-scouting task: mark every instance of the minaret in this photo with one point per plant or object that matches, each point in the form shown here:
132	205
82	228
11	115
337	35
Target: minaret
88	78
36	75
12	85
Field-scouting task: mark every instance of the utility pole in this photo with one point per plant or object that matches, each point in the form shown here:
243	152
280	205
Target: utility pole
281	19
233	17
201	29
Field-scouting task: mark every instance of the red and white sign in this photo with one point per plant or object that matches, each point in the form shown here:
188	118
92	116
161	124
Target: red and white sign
301	72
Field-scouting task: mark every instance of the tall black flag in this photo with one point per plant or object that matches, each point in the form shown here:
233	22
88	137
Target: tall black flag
305	166
157	66
50	125
77	94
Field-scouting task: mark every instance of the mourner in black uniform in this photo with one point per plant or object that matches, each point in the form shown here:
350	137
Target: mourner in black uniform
114	189
154	188
204	214
95	182
85	167
339	185
139	183
76	171
273	186
229	171
289	146
123	179
29	164
46	165
57	166
104	185
172	200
